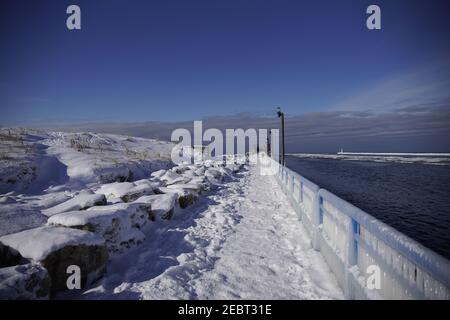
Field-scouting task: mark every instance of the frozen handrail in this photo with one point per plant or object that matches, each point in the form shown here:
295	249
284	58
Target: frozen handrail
436	268
428	260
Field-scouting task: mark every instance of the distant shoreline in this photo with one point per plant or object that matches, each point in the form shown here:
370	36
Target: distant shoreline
413	154
394	154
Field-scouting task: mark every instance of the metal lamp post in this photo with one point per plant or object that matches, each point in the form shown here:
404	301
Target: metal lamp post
281	115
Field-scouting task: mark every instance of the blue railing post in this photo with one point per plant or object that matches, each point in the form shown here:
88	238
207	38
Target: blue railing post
316	220
286	182
352	256
301	192
353	247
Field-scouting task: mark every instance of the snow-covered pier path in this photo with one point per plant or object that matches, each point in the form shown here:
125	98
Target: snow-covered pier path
243	241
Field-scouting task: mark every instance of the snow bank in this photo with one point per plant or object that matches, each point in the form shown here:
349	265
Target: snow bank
24	164
105	158
80	202
32	161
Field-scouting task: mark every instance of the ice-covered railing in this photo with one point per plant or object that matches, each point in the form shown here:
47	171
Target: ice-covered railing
369	258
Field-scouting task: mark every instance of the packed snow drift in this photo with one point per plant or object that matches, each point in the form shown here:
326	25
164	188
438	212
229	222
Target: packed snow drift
140	228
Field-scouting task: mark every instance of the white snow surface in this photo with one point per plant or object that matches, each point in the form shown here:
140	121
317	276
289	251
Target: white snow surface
242	241
38	243
107	157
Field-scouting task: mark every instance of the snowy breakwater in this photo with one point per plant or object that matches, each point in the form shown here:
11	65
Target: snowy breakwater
98	223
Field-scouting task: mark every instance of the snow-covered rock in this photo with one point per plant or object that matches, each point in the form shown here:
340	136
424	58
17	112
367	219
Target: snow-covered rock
180	169
200	171
36	244
138	213
9	257
52	199
119	224
209	163
128	191
7	200
115	200
190	174
226	171
80	202
57	248
115	189
214	176
195	188
171	177
162	205
24	282
204	184
187	195
234	167
158	174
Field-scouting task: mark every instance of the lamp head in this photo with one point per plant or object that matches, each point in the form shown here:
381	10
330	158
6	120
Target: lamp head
279	113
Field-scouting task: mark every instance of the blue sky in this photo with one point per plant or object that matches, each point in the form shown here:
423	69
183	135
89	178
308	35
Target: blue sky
183	60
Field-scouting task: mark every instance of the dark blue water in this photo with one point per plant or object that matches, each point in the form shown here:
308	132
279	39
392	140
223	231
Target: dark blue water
414	198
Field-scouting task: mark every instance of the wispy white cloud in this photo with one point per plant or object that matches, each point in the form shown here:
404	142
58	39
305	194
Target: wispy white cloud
414	87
